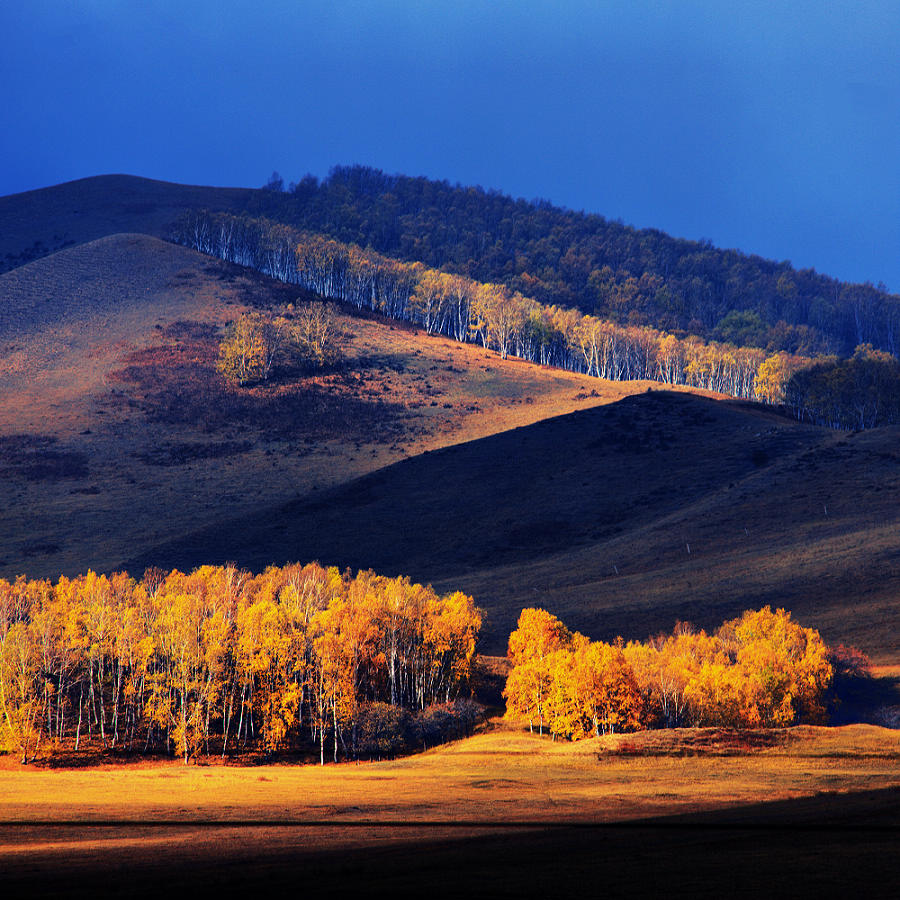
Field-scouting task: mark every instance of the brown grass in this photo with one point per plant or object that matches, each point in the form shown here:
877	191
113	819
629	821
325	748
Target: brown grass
811	803
109	355
502	775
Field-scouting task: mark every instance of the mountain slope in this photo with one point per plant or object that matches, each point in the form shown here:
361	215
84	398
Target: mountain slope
117	433
556	256
36	223
620	519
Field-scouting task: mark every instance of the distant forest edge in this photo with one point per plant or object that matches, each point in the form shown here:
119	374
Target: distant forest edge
861	392
604	268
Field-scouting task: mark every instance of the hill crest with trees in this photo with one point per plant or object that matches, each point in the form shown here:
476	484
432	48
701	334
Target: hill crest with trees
858	394
602	267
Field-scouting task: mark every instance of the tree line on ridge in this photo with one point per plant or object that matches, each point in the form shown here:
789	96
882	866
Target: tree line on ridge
585	261
512	324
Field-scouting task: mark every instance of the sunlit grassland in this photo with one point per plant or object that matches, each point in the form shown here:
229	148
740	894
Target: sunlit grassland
116	435
501	775
501	812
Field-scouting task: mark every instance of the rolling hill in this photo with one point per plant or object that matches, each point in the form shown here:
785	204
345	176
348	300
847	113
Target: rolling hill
37	223
619	507
620	519
556	256
116	433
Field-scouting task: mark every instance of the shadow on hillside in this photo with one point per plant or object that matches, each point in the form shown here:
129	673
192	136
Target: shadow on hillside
872	701
518	496
38	457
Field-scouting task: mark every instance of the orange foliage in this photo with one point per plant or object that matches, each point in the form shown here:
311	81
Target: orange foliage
538	635
762	669
182	660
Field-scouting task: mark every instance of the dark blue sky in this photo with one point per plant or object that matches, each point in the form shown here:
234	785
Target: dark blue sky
773	127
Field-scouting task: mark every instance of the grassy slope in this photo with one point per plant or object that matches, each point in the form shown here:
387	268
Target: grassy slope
590	514
36	223
116	434
503	774
621	519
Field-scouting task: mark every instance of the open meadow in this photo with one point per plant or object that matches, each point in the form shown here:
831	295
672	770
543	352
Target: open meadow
708	809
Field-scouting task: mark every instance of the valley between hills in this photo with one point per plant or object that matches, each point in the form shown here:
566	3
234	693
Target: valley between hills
621	507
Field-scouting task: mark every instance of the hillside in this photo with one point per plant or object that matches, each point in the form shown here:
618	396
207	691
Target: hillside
557	256
36	223
620	519
117	434
120	445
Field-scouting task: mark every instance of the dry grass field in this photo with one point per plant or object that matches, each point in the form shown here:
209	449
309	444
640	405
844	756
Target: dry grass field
500	810
116	433
501	775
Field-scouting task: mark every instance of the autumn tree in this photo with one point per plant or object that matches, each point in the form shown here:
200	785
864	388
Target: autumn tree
537	636
771	378
429	300
762	669
251	347
497	315
313	333
589	689
20	694
257	344
610	698
786	667
856	393
220	658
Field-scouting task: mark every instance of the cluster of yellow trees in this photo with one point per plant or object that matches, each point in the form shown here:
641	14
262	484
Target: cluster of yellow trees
762	669
221	659
257	343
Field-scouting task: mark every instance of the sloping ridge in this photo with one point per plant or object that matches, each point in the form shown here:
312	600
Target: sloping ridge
621	519
36	223
115	433
99	278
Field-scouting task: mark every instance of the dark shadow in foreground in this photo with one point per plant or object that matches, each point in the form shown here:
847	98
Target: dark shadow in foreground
824	846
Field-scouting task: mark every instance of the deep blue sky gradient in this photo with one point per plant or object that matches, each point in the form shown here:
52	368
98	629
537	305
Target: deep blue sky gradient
770	126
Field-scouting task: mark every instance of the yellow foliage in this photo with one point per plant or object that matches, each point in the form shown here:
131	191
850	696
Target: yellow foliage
762	669
181	659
